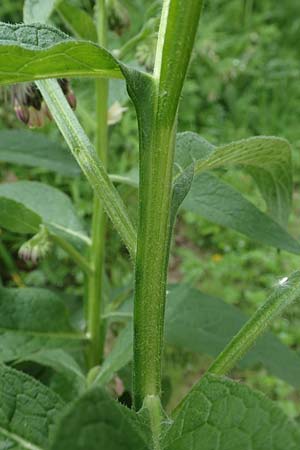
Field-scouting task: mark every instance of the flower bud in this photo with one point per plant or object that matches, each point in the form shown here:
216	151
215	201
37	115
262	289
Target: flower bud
37	247
118	17
30	107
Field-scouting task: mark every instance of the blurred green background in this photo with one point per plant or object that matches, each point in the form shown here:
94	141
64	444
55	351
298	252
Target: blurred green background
244	80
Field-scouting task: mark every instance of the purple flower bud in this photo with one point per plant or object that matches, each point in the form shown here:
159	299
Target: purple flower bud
30	107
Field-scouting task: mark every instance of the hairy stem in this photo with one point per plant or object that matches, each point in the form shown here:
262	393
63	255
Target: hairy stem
87	159
287	292
96	325
156	100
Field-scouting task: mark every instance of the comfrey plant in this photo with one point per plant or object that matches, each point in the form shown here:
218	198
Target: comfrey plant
175	170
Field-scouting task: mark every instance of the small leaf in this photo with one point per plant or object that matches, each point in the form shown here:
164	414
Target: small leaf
96	421
28	411
53	206
34	149
119	357
17	218
220	203
38	10
78	21
225	415
34	52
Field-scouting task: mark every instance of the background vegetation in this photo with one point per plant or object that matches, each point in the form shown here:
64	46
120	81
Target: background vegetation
243	81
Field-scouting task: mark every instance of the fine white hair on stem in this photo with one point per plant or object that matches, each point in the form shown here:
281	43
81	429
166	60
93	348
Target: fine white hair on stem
283	281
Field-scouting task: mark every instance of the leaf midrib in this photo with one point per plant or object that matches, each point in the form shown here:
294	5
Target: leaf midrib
19	440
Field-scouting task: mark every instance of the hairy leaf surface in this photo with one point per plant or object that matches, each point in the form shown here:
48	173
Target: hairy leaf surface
28	411
34	52
105	424
32	310
221	414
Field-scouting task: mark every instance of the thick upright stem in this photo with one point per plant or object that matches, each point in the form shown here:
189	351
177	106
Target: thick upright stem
156	99
96	326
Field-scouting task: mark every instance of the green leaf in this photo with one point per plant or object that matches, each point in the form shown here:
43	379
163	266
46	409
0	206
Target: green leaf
78	21
34	311
28	411
267	159
220	203
17	218
225	415
119	357
96	421
34	52
34	323
38	10
53	206
205	324
33	149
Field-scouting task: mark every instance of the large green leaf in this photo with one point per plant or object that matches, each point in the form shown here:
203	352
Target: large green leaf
217	201
34	149
33	52
205	324
28	411
268	159
225	415
53	206
96	421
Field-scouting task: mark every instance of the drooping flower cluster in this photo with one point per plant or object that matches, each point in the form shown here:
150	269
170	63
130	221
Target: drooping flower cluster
29	105
37	247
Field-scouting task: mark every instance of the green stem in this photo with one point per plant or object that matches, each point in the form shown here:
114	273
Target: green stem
287	292
90	164
73	253
156	99
96	325
152	404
